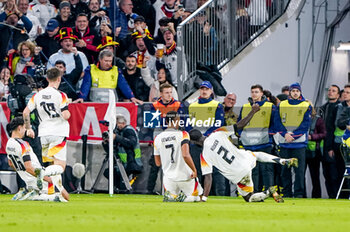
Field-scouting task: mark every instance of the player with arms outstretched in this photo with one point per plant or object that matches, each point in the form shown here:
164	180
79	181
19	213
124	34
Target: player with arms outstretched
22	158
235	164
52	107
171	151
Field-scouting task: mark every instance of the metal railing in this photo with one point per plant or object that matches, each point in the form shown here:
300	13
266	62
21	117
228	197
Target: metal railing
218	31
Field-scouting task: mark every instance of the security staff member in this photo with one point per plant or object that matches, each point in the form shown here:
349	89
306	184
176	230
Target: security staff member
257	135
292	123
206	109
103	76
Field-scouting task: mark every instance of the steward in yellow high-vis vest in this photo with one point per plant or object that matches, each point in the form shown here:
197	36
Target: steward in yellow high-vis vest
257	133
293	118
292	123
206	110
105	76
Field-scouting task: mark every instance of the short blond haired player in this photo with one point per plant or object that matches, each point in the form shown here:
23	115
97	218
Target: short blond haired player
233	163
52	107
171	151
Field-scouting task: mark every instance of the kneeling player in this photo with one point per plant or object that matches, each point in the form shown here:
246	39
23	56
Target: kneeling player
22	158
235	164
171	151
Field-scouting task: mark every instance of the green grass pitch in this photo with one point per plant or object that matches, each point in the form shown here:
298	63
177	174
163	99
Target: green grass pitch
100	212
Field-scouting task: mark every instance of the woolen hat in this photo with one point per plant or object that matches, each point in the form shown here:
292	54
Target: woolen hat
295	85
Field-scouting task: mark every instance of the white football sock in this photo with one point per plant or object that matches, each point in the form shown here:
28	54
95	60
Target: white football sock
53	170
57	182
45	197
266	158
192	199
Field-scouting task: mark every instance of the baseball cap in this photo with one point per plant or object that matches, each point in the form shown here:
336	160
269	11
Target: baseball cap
206	84
139	19
51	25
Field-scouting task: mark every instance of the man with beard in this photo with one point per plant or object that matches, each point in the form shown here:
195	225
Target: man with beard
136	82
66	54
96	15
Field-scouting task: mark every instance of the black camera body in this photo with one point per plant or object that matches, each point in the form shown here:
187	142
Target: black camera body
105	135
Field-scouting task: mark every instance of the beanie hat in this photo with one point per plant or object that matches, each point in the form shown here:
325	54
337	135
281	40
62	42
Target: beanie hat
295	85
64	4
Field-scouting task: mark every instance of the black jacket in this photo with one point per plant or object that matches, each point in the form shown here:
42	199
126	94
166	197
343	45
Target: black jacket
329	114
70	80
5	35
137	84
145	8
69	23
344	117
49	45
81	7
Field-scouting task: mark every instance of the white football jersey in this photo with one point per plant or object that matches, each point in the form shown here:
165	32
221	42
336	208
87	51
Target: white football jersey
168	145
19	151
232	162
50	102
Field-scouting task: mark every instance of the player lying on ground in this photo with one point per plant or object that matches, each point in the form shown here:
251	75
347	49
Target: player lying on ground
235	164
22	158
171	151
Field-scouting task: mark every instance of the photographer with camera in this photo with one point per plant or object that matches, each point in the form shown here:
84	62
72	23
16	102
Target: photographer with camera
126	148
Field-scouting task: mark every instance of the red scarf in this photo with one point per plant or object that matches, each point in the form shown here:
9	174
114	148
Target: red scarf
168	12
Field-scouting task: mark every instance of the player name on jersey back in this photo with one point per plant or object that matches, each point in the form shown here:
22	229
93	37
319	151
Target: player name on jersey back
168	145
50	103
167	139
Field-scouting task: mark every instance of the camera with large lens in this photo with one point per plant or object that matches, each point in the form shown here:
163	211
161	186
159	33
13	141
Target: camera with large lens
105	135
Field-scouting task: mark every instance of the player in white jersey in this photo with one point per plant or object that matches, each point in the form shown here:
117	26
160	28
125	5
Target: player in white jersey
233	163
22	158
52	107
171	151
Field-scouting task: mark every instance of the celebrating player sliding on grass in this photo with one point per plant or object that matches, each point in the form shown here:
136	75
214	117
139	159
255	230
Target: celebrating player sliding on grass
235	164
171	151
22	158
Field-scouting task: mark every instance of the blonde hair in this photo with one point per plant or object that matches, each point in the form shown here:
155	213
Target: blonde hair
313	111
28	44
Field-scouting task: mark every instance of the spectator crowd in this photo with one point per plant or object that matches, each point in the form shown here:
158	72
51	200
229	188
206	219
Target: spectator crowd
130	47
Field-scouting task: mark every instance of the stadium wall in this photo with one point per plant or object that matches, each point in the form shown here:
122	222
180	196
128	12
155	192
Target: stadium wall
274	63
